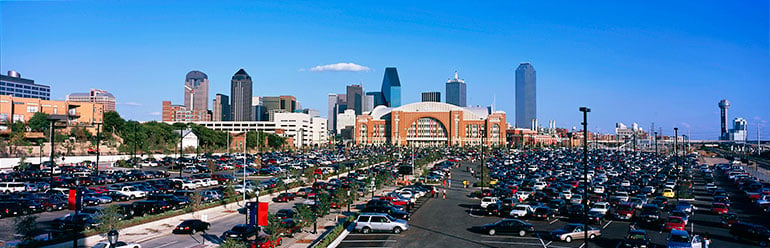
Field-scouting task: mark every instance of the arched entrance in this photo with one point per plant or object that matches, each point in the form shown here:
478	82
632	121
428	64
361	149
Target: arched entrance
426	131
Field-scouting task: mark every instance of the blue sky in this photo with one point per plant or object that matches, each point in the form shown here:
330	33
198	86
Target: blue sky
663	62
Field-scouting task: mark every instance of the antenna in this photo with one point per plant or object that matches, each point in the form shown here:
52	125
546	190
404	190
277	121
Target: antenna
456	77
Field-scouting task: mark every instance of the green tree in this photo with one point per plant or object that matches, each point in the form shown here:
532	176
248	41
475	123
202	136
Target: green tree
275	141
196	199
113	123
306	215
110	218
275	228
26	227
232	243
39	122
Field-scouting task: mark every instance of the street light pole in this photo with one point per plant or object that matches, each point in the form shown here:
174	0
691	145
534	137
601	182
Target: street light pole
181	136
98	140
52	150
676	139
133	155
585	111
656	143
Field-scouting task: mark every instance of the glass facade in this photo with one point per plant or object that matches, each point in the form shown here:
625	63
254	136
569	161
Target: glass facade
526	95
391	88
20	87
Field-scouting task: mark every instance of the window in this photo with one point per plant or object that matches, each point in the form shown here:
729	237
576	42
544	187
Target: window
32	109
363	219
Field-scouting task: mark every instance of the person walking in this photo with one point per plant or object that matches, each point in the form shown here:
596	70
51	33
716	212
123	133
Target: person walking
444	194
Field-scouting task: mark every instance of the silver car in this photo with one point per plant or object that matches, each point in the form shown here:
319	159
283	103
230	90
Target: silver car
379	222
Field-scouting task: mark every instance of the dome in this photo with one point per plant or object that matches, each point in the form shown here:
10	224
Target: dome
196	75
724	103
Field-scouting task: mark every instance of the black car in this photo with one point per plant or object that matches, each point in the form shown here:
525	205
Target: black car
650	215
395	212
636	239
383	203
494	209
285	214
145	207
174	202
508	226
80	221
191	226
241	231
12	209
751	232
116	196
544	213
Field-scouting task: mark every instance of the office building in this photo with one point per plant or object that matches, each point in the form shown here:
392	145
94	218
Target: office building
368	103
391	88
259	113
221	108
456	91
196	91
95	96
739	133
312	112
14	85
377	97
299	129
526	96
433	96
78	114
346	120
355	98
279	104
723	106
240	96
331	111
180	113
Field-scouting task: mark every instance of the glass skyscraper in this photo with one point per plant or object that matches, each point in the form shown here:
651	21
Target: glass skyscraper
391	88
526	95
240	96
456	91
196	91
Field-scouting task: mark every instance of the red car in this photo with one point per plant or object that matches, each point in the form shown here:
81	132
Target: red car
99	189
264	241
719	208
394	200
222	179
284	197
674	222
303	192
334	204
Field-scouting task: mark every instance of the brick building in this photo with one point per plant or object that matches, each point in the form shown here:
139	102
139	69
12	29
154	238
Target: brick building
180	113
430	124
18	109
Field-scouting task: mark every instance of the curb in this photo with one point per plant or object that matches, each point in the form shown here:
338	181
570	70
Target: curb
342	235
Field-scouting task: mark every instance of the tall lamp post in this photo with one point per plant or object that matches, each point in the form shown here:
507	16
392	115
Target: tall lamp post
53	119
483	134
98	140
656	143
585	111
181	155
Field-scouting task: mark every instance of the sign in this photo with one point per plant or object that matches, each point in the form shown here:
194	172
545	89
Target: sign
262	214
74	200
251	209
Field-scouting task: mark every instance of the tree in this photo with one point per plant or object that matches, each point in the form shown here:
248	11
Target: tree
306	215
275	141
26	226
196	199
110	218
232	243
113	123
275	228
39	122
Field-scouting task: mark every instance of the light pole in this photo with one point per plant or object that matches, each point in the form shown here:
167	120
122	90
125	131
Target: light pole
181	136
676	139
656	143
585	111
483	134
133	154
98	140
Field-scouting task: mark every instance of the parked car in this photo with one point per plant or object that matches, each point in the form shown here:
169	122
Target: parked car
241	231
284	197
636	239
265	241
574	231
191	226
674	223
119	244
682	239
508	226
751	232
379	222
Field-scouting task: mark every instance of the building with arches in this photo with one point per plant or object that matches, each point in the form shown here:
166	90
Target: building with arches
430	124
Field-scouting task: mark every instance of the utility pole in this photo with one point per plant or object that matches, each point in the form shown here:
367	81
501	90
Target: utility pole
634	140
676	140
133	155
52	137
181	136
98	140
585	111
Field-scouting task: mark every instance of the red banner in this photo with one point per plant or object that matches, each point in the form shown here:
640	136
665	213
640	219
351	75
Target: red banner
262	214
72	200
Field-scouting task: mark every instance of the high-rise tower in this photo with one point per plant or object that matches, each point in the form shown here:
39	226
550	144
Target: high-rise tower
723	106
456	91
391	88
240	96
196	91
526	96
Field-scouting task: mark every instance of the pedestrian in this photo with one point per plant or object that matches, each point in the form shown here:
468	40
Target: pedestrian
449	183
444	194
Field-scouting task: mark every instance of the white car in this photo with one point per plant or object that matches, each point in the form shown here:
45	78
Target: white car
521	210
567	194
119	244
601	207
523	195
599	189
487	200
540	185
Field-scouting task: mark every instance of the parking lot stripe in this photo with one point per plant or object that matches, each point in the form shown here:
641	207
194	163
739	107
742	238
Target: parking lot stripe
167	244
510	243
507	237
605	225
367	240
553	221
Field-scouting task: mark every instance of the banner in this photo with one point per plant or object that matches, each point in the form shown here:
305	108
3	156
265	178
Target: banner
72	199
251	210
263	214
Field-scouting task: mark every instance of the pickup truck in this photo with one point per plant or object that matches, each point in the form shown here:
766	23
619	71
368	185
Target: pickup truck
131	192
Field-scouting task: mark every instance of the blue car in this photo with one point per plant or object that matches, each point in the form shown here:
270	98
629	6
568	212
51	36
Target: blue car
682	239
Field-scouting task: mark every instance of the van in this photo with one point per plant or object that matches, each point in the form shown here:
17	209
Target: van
379	222
8	187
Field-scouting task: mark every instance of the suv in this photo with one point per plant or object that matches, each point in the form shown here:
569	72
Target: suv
750	232
368	222
8	187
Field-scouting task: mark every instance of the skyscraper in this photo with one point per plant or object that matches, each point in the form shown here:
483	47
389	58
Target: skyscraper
355	98
433	96
526	96
723	106
331	111
738	133
240	93
221	108
391	88
378	98
456	91
15	85
368	103
196	91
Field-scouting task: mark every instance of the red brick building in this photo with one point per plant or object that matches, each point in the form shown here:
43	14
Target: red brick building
180	113
430	124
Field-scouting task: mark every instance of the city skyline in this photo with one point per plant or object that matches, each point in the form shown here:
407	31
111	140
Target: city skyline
670	70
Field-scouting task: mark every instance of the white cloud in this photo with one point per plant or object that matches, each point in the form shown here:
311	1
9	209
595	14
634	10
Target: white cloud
340	67
135	104
155	113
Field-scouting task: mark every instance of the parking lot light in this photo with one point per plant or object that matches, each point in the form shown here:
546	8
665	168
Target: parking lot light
585	111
